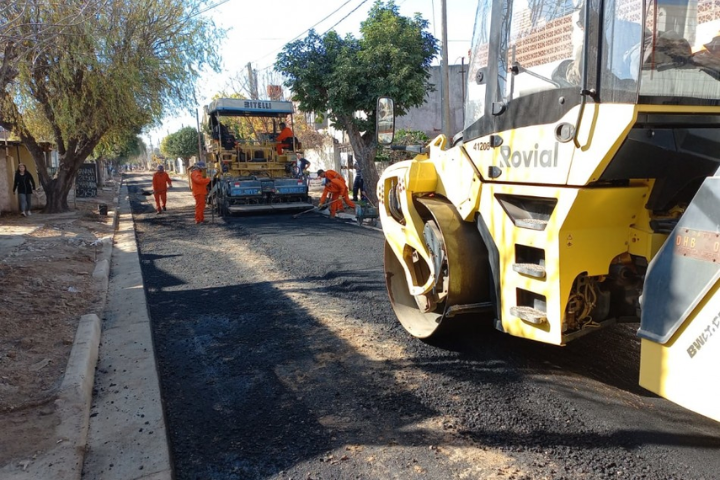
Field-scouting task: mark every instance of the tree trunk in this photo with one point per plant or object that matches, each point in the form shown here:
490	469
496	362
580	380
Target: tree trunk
101	172
56	193
58	188
364	149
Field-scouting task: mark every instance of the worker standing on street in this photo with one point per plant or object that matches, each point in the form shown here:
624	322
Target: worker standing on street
302	166
336	186
198	185
358	184
161	182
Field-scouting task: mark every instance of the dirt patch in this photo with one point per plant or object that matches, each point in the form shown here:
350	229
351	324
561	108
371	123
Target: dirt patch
46	266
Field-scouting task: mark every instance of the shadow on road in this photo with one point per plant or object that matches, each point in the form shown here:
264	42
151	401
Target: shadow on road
256	384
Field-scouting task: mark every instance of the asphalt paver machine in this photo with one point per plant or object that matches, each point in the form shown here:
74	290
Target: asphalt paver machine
581	191
250	171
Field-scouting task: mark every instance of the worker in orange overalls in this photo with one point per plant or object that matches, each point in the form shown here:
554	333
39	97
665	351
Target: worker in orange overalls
161	182
198	185
285	133
336	186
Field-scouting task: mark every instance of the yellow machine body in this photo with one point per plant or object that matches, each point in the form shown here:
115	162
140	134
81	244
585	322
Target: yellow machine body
250	158
589	230
550	215
684	369
251	171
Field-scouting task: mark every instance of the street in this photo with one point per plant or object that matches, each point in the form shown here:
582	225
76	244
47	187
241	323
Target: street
279	356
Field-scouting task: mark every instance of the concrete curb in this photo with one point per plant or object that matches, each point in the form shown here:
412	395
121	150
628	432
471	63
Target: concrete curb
65	461
76	396
352	218
127	438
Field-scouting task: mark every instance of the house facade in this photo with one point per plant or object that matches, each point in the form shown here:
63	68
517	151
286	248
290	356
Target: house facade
12	153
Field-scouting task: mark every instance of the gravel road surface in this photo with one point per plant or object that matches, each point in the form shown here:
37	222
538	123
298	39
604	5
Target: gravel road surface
280	358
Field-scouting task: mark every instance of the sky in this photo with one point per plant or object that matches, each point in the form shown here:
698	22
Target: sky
258	30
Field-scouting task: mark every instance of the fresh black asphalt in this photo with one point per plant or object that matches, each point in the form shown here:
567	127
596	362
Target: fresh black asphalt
247	398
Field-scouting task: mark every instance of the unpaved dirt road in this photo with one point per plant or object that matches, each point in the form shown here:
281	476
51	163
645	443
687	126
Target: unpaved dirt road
280	358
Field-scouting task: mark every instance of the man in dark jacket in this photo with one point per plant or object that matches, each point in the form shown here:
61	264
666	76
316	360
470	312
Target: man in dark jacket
24	184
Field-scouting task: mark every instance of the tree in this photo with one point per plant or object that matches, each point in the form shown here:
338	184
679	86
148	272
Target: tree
115	69
343	77
242	87
17	42
117	148
120	146
245	83
183	144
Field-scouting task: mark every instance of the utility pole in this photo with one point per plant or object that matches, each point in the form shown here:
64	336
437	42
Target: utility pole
200	155
252	78
445	72
152	152
462	83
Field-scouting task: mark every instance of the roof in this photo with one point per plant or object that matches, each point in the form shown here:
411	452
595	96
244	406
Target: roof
7	136
234	107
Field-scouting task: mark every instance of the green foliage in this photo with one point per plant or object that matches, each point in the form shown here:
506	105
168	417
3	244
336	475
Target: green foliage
342	76
124	66
182	144
382	155
120	146
402	137
116	67
410	137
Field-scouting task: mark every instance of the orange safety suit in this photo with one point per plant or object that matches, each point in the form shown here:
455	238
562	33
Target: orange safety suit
284	133
199	191
336	186
160	182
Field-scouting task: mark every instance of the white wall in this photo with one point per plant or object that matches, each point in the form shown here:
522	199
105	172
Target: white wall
428	117
8	202
326	157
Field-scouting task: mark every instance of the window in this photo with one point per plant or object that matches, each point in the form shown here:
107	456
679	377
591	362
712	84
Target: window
681	52
478	75
544	47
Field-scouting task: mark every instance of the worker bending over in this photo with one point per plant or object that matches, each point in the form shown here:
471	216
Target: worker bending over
337	188
198	185
161	182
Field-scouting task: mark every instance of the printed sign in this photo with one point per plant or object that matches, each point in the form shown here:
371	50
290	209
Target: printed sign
86	181
698	244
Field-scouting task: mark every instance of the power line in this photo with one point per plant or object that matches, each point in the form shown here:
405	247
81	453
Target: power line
432	5
326	31
307	30
346	16
318	23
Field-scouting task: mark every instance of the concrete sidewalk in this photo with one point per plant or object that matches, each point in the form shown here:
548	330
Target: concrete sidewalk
112	420
127	437
72	404
111	424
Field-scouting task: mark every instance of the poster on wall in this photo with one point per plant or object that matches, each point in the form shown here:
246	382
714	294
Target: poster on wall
86	181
